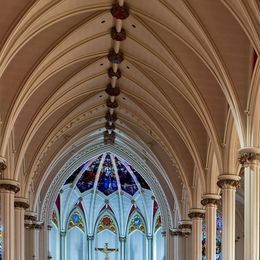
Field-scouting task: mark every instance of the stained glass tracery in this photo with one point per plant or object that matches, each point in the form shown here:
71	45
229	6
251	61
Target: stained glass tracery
76	220
106	222
136	223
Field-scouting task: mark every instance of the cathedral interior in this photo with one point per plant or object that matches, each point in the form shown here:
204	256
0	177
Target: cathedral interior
130	129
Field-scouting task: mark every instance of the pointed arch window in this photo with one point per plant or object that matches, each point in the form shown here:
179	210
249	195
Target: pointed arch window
106	222
136	223
76	220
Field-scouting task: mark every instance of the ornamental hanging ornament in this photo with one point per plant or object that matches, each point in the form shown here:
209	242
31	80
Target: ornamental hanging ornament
112	91
111	104
115	58
109	138
111	117
112	73
110	126
118	36
120	12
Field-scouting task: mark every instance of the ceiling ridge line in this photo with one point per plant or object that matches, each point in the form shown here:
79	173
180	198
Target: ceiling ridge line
120	12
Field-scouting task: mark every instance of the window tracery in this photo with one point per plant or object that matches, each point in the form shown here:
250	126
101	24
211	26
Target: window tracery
106	222
76	220
136	223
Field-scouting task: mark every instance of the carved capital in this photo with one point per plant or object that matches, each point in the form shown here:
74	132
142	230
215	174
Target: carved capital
176	232
9	185
90	237
185	226
228	181
30	216
3	164
197	213
120	12
210	199
63	233
21	203
122	239
249	155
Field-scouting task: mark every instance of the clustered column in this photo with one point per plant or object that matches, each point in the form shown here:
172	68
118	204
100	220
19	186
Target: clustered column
210	203
177	234
197	216
250	160
122	247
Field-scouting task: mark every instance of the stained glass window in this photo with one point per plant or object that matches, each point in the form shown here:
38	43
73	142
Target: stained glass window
126	180
107	182
158	223
87	179
1	242
219	225
76	220
106	222
136	223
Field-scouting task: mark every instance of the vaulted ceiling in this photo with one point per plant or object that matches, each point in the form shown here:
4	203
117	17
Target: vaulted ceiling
186	75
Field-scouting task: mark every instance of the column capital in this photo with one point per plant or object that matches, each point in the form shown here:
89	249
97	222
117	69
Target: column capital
149	237
176	232
90	237
21	203
9	185
63	233
3	164
185	226
208	199
196	213
122	239
226	181
249	155
30	216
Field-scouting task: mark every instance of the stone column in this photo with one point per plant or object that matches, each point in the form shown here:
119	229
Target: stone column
185	227
150	247
250	160
90	239
228	183
177	234
122	247
63	245
8	188
210	203
32	228
197	216
20	205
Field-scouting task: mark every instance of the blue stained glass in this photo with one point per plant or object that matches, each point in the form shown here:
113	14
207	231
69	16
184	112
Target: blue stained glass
75	218
87	179
74	175
140	179
107	182
126	180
